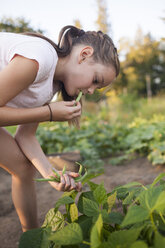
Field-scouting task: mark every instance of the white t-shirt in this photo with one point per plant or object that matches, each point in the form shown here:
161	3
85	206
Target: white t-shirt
42	90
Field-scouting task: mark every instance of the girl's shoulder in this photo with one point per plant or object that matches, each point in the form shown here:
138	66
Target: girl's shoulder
30	47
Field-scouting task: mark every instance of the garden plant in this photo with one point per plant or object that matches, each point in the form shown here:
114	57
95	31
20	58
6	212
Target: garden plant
130	216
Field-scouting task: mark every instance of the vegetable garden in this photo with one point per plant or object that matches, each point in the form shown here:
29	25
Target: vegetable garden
130	215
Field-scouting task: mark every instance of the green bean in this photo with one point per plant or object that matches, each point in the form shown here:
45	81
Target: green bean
58	177
63	171
81	178
44	179
80	168
56	173
78	98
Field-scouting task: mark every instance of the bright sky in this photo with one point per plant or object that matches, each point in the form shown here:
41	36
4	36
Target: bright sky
125	16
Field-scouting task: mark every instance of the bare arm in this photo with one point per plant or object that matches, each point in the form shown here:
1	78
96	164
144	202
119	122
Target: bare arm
15	116
15	77
28	143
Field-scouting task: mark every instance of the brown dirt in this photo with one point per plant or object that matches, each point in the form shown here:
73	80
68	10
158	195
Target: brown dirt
10	229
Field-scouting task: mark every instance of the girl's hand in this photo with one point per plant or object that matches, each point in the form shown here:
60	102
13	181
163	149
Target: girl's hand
67	182
65	111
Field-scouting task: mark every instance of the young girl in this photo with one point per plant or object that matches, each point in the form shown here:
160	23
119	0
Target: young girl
32	69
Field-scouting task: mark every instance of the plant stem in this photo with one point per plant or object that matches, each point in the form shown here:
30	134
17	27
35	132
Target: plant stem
152	221
162	217
85	242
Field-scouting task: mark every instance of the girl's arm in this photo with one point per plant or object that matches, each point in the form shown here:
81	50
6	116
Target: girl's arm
28	143
15	116
15	77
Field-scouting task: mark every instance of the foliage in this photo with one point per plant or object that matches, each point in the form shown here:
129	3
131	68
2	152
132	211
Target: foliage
142	69
146	137
96	221
96	139
102	18
18	25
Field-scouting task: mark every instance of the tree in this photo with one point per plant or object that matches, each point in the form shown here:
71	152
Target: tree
143	67
77	23
18	25
102	19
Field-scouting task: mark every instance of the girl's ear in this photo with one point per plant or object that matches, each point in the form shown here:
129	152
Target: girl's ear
85	53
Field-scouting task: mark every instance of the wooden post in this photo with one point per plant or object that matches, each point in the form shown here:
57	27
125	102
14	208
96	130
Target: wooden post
148	86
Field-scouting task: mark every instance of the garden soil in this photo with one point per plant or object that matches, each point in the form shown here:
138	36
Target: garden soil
10	229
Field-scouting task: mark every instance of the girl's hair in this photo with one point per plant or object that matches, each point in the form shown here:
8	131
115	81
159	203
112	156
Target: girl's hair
104	50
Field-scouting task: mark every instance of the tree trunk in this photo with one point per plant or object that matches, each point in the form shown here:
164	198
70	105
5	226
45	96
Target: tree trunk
148	86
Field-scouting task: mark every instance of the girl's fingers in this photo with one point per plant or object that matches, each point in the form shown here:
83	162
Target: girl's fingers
70	103
75	108
78	114
79	186
62	184
73	174
73	185
68	182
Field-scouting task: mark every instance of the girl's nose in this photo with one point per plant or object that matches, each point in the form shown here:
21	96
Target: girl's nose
91	90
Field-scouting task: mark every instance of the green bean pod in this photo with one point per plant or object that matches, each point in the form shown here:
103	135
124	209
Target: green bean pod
80	168
45	179
56	173
64	170
78	98
55	179
81	178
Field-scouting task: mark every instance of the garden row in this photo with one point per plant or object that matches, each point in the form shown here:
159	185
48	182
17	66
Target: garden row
99	139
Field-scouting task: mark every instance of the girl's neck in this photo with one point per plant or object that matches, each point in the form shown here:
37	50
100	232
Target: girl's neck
59	74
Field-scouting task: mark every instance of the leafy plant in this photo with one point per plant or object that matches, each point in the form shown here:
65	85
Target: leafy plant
130	216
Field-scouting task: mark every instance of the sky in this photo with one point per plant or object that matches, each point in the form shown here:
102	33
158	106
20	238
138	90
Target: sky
125	16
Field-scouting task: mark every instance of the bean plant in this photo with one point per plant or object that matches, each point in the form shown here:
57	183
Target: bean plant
129	216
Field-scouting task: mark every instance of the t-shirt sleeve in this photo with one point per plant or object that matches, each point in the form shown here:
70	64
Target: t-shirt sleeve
38	51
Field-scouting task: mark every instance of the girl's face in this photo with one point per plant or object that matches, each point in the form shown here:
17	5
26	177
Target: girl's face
84	74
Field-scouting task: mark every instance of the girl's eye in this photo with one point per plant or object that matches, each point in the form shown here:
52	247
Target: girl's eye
95	81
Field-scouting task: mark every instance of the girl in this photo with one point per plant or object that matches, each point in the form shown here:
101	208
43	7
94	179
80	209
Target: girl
32	69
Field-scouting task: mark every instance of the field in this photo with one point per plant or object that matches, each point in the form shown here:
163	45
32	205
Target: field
124	143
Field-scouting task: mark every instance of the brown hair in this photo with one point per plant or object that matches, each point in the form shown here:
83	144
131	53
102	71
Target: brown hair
104	50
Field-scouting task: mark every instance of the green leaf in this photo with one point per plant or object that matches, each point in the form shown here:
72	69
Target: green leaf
85	223
139	244
88	195
158	178
129	185
123	238
152	199
115	218
134	215
111	201
90	208
159	241
129	198
62	201
95	236
73	212
160	203
69	235
92	185
53	219
100	194
35	238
